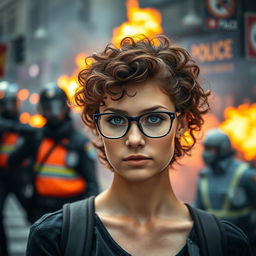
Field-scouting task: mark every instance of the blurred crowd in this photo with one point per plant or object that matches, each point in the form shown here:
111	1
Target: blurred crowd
43	167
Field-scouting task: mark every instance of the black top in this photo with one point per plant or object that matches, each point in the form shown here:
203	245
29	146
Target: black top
45	235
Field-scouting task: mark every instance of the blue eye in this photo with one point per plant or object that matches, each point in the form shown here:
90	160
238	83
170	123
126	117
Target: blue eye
116	120
153	119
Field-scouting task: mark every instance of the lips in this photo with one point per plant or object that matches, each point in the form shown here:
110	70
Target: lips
137	160
136	157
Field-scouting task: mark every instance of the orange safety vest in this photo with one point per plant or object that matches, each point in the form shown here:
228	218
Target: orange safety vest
54	178
8	144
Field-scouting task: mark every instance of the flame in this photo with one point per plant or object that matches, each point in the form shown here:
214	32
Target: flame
140	21
70	83
210	121
145	21
240	125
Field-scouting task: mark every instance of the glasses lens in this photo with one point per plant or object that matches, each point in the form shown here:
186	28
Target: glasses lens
113	125
155	124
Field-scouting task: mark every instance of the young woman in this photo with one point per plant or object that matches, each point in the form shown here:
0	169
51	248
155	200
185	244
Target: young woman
139	99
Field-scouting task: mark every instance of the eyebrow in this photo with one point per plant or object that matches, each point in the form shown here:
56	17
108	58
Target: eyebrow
142	111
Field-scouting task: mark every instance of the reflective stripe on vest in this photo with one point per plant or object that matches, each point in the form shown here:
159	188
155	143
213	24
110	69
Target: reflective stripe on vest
225	211
8	144
54	178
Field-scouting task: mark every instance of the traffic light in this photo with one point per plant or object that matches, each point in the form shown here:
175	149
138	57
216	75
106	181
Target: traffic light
19	49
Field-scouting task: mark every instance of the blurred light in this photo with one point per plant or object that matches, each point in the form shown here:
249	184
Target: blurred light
34	98
37	121
3	85
23	94
2	94
191	20
40	33
24	118
33	70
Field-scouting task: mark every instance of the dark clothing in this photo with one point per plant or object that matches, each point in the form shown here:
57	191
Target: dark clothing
45	234
77	158
12	133
229	193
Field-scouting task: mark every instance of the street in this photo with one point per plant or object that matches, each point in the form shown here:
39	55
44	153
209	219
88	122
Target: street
17	227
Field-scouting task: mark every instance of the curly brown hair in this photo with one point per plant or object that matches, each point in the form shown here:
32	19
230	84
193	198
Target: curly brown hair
138	60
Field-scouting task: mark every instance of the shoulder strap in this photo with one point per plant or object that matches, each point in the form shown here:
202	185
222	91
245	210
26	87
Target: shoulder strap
210	231
46	156
77	227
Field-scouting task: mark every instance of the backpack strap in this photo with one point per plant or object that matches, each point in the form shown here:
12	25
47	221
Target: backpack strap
77	227
210	231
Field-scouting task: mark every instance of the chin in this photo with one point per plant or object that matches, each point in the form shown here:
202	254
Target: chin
137	174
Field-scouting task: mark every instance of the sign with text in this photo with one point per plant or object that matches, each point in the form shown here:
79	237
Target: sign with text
221	15
214	53
3	53
250	35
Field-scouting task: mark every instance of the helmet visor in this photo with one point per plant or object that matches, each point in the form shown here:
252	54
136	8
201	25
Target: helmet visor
54	107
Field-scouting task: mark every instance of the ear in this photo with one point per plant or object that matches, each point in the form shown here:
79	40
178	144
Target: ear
98	136
182	125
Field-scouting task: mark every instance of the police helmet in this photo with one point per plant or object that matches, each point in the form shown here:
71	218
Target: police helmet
8	99
215	138
53	102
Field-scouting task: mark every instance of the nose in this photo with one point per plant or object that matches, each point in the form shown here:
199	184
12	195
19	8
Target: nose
134	137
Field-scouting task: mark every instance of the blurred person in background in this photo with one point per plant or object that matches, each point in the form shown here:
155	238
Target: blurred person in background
12	133
227	186
64	163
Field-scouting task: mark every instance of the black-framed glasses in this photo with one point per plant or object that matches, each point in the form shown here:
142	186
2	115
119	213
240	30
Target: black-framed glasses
151	124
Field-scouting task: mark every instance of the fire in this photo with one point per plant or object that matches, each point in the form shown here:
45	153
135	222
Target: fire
240	125
70	83
145	21
210	121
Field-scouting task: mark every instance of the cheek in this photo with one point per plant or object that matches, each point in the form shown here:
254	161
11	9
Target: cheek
112	150
165	148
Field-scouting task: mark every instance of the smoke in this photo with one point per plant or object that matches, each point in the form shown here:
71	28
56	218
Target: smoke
73	27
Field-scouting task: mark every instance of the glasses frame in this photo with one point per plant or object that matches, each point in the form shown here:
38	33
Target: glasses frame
136	119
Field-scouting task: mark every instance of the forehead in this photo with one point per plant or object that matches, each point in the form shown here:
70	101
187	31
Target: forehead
140	97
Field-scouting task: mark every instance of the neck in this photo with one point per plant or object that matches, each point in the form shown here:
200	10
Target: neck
143	200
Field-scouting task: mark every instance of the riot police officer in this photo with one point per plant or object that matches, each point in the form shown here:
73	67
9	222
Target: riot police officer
226	186
64	166
12	133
